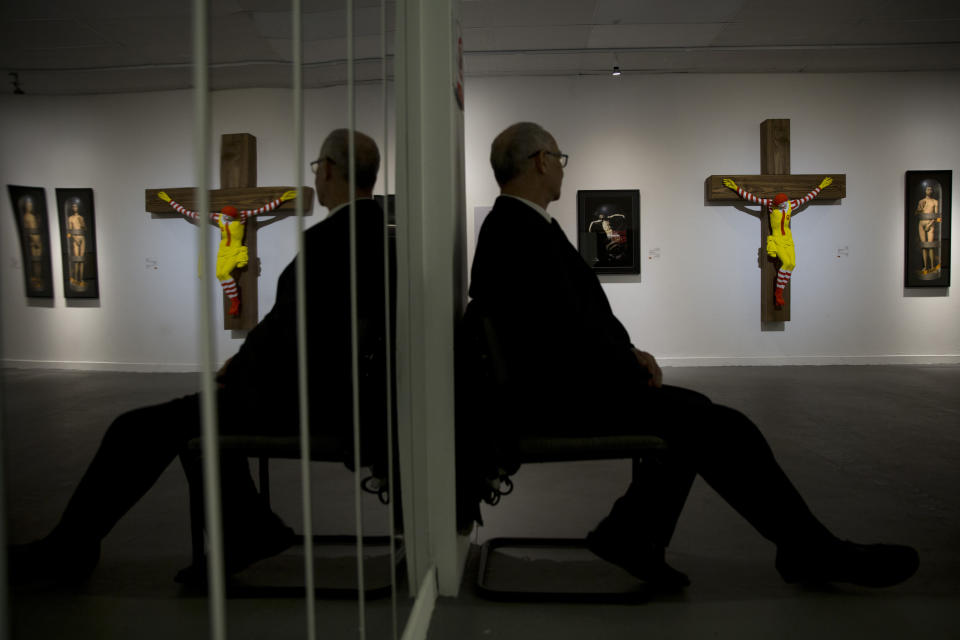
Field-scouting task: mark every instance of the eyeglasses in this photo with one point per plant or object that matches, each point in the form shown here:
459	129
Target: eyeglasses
562	156
315	165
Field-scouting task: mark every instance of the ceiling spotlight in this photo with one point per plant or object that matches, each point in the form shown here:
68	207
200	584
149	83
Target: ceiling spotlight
616	70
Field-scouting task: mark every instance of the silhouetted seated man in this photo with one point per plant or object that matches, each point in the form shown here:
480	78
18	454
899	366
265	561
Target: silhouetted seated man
558	337
257	390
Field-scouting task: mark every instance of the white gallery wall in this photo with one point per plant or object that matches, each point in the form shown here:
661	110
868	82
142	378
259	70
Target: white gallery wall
696	303
699	301
119	145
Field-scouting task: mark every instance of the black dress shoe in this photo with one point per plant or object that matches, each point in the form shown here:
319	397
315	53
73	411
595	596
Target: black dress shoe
240	554
50	561
867	565
644	561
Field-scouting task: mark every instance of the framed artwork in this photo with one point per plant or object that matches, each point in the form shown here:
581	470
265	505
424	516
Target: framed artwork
927	229
30	212
78	242
608	230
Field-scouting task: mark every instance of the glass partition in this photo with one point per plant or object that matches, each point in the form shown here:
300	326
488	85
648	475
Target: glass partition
257	130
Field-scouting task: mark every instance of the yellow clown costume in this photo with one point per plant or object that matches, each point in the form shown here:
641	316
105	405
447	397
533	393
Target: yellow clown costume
232	253
780	240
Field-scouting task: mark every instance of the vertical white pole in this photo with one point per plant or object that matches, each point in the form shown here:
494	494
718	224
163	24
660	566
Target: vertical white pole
208	401
4	592
302	382
354	328
388	320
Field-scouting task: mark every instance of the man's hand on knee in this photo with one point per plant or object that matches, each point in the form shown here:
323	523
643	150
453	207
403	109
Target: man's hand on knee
648	362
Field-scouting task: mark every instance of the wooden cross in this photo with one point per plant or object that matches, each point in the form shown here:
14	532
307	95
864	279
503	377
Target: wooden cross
238	187
775	178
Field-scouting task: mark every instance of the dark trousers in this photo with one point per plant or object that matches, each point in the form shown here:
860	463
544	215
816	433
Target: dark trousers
140	444
719	443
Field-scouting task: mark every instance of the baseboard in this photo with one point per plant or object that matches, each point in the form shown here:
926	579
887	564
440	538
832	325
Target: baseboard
418	624
805	361
77	365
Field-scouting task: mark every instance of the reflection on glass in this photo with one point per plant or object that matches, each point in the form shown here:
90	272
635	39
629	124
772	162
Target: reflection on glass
96	509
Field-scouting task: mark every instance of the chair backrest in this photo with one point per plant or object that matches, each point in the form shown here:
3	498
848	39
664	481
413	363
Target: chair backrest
480	356
484	400
373	376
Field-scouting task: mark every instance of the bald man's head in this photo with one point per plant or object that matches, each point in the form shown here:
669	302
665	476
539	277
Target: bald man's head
337	150
511	150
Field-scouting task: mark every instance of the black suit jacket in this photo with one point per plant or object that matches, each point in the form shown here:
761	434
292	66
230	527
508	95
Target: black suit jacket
560	339
262	376
539	350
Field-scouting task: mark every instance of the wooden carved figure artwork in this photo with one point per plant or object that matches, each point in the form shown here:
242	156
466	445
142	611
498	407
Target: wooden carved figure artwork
77	239
31	233
232	253
929	217
780	241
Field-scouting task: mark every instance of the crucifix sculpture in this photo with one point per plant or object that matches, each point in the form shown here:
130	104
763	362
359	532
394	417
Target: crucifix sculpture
238	188
775	178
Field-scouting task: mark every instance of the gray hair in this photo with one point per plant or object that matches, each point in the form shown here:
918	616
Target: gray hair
336	148
511	150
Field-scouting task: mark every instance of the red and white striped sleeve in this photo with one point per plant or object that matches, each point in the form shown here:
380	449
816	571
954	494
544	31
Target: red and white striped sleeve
249	213
805	199
189	214
183	210
746	195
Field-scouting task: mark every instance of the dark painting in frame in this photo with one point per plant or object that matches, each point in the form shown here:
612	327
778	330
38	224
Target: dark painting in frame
78	243
33	229
927	228
608	230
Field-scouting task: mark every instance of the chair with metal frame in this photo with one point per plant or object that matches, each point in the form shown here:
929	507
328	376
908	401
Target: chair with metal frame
489	378
323	448
264	448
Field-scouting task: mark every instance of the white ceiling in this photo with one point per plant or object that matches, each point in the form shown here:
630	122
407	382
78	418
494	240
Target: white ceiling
108	46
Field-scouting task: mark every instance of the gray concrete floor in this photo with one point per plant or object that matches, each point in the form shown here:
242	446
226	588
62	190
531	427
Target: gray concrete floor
53	422
875	450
